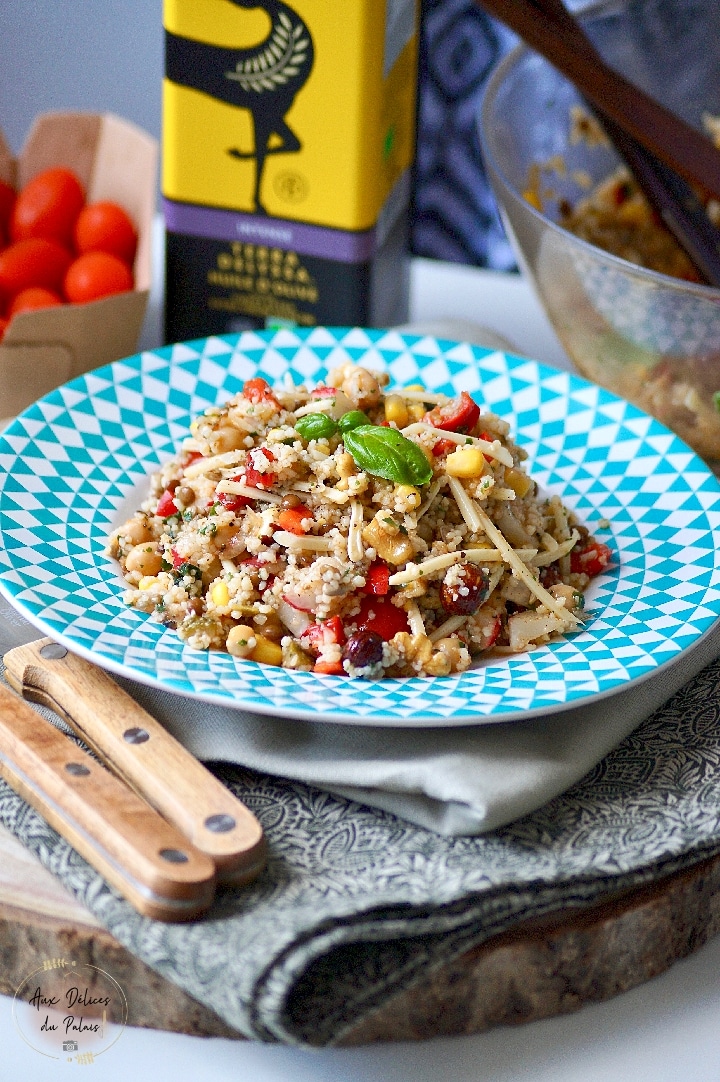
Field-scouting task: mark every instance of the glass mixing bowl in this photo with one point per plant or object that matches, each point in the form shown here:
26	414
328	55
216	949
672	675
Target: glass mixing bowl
650	338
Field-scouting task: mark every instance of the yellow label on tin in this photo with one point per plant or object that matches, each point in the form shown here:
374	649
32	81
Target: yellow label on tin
303	111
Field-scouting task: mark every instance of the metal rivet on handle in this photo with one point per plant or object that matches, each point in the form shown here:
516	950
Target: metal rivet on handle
136	736
174	856
76	769
220	824
53	651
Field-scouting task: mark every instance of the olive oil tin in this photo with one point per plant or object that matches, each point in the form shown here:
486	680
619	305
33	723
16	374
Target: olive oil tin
288	144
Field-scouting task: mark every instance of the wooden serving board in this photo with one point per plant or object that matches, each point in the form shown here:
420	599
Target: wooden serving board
540	969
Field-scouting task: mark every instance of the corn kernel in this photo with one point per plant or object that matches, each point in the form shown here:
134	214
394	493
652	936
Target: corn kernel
265	651
416	411
220	594
518	481
465	462
147	582
396	410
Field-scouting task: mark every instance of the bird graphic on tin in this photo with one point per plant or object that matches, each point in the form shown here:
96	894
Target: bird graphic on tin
263	79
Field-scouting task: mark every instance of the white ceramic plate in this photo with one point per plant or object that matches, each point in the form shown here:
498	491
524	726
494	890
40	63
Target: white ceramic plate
75	463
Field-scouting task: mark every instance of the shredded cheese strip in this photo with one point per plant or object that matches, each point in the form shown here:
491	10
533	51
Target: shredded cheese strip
236	488
415	620
307	542
545	558
225	461
413	394
492	448
435	487
468	508
413	571
453	623
355	547
523	572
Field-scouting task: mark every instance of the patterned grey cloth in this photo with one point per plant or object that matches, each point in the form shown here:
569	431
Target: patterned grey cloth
357	904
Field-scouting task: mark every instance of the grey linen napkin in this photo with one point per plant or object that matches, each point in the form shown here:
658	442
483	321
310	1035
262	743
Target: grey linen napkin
357	904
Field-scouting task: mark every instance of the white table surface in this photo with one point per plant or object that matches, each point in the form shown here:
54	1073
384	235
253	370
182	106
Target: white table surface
667	1030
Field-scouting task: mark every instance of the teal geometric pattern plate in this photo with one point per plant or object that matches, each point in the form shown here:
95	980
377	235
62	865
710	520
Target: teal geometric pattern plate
76	463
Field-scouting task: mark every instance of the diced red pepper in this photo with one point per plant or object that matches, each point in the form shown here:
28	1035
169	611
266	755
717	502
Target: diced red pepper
295	520
323	392
258	390
591	560
377	581
459	415
166	505
381	616
491	639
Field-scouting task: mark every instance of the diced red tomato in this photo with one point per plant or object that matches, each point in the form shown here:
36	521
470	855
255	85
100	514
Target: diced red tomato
254	478
377	581
190	457
327	633
380	615
444	447
258	390
329	668
592	560
177	559
234	501
295	519
458	415
166	505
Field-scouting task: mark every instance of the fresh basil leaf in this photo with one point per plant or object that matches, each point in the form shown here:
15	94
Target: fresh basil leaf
385	452
353	419
316	426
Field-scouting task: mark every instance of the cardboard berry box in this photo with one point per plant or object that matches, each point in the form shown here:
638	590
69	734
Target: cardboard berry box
114	160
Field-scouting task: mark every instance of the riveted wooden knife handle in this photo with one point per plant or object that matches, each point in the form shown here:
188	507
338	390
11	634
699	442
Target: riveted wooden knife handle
142	752
128	842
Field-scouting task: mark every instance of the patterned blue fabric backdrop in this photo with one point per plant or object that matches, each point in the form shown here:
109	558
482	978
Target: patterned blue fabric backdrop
455	217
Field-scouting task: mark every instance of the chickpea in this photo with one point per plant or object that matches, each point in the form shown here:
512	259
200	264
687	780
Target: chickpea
226	438
362	389
136	530
144	559
240	641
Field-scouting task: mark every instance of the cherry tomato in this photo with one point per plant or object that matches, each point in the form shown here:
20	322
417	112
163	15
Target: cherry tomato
33	298
48	206
7	202
33	262
458	415
96	274
380	615
106	227
258	390
592	560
